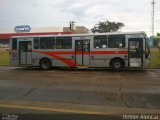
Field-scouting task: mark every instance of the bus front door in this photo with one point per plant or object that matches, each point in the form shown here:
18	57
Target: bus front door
82	53
135	52
25	52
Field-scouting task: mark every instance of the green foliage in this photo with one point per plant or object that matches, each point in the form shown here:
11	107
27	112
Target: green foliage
107	26
158	34
155	58
4	57
157	37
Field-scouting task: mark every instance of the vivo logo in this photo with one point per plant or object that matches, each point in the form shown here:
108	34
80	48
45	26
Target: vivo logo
23	28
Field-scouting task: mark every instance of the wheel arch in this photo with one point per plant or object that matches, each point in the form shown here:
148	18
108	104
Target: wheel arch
43	59
116	58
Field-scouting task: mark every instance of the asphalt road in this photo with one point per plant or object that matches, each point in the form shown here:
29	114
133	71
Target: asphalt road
98	92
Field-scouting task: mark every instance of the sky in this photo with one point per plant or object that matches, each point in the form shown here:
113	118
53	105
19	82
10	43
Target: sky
135	14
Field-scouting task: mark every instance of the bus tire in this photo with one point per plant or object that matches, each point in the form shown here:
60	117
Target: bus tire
46	64
117	64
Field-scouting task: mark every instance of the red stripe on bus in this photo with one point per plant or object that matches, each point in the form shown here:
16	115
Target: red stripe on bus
122	52
109	52
80	53
70	63
63	52
91	52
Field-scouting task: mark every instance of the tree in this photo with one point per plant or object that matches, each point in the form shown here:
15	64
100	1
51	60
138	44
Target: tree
158	34
107	26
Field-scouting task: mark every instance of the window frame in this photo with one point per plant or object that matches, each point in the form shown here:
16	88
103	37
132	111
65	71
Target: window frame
123	41
52	46
100	36
62	45
14	44
38	42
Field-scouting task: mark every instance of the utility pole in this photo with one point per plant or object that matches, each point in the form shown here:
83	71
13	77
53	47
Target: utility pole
152	16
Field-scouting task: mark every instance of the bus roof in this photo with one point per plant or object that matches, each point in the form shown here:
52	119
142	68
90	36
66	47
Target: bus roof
79	35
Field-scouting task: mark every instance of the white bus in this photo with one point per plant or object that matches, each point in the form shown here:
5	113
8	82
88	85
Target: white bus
114	50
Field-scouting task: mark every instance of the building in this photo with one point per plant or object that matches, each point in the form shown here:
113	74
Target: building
78	30
25	30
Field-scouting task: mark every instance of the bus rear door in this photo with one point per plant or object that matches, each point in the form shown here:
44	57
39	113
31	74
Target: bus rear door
25	52
82	53
135	51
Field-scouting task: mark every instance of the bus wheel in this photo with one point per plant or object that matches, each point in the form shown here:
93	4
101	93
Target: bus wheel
117	64
46	64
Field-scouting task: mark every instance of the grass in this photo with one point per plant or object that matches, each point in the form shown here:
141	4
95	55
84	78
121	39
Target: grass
4	57
155	57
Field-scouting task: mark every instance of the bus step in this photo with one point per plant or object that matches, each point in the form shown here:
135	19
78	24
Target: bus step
82	67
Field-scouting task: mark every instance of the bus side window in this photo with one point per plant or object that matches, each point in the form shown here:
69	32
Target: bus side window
100	42
116	41
14	43
36	43
47	42
63	43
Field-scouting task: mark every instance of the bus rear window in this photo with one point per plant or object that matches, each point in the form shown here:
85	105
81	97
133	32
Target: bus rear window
14	43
